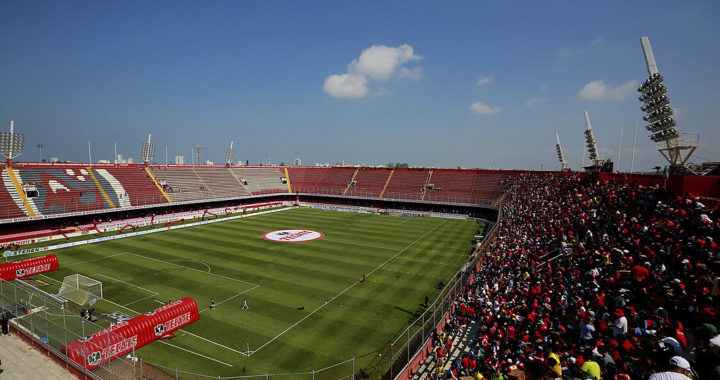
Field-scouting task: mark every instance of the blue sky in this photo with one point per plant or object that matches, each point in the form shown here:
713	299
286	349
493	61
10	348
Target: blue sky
467	83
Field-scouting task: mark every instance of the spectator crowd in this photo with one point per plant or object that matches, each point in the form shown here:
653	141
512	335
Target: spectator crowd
592	280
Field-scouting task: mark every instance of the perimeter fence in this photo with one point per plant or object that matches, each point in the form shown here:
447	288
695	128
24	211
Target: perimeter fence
45	322
392	359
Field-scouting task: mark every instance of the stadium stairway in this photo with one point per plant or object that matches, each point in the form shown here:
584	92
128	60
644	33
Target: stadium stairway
386	183
262	180
369	182
138	188
100	188
62	190
427	181
334	181
450	184
204	183
351	180
461	344
287	179
185	184
108	180
222	182
11	203
406	184
304	180
237	179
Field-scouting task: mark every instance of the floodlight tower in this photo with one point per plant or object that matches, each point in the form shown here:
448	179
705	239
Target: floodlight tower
230	154
11	143
561	156
674	146
198	148
595	160
147	151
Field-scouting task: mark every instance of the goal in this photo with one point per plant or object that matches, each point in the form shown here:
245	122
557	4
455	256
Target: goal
80	289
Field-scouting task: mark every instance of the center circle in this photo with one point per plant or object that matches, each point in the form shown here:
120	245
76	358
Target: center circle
293	236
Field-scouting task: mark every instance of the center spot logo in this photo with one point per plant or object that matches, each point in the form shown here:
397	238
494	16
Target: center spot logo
293	236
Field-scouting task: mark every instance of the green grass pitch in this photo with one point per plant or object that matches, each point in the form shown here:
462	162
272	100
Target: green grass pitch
404	258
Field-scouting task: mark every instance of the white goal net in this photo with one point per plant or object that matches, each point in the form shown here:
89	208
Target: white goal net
80	289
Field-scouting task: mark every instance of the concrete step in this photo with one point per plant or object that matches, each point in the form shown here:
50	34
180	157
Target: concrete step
463	341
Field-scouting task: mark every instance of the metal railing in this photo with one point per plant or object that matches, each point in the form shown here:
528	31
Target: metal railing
75	208
388	361
48	325
56	326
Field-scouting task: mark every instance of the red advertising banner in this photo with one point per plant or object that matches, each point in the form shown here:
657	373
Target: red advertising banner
28	267
105	345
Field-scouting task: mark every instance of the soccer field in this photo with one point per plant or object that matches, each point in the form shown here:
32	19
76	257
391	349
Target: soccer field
307	306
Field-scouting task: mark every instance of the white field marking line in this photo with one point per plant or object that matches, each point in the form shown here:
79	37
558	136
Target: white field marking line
360	244
326	239
346	289
228	299
141	299
196	353
193	261
215	343
192	224
414	274
126	283
448	251
427	261
197	270
405	221
99	258
187	332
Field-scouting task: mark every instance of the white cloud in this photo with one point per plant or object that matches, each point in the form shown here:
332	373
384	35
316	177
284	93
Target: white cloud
532	103
380	62
598	90
413	74
483	80
377	63
484	109
346	86
383	92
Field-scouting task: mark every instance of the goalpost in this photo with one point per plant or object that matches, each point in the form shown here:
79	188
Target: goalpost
80	289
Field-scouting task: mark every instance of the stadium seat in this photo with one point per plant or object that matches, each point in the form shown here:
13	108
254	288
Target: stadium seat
369	182
406	184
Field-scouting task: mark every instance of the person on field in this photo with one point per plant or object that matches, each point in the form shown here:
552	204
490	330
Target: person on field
212	303
363	279
4	323
245	305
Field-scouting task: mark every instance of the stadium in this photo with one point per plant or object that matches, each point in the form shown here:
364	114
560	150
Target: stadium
374	245
165	270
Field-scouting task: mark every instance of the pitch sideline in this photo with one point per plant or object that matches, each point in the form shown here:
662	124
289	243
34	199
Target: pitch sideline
346	289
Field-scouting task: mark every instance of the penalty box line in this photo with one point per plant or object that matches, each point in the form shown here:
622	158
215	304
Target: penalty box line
197	270
231	298
187	332
195	353
346	289
154	293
